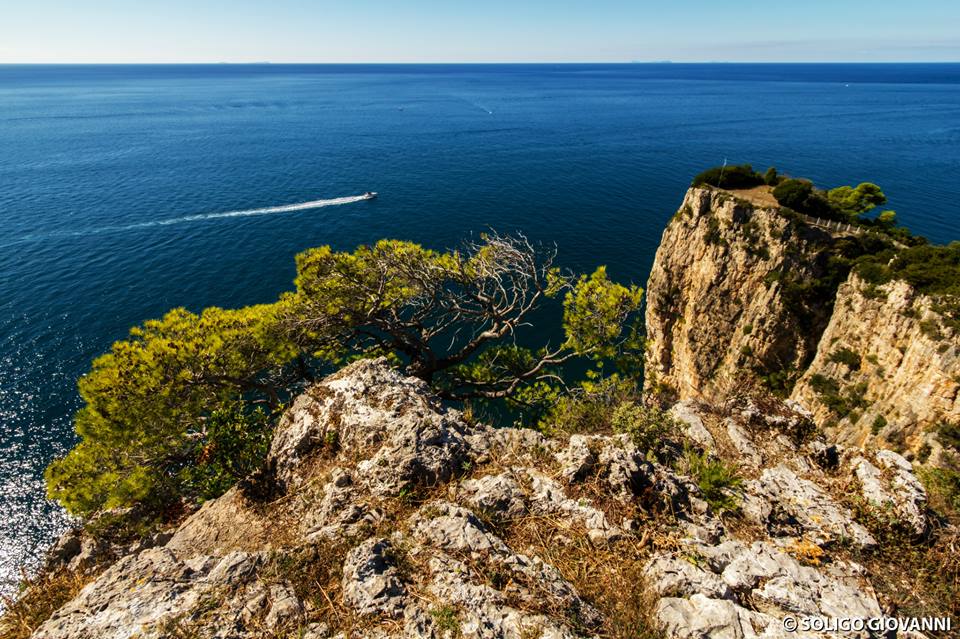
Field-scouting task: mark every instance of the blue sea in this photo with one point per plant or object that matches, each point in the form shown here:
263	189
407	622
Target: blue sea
128	190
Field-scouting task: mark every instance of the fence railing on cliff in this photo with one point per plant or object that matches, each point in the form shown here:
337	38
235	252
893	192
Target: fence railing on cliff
832	226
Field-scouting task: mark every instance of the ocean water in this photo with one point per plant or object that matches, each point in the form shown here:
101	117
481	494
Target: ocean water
128	190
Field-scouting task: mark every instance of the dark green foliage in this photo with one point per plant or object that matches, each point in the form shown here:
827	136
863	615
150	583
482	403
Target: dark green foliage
717	480
729	177
931	270
931	329
949	435
714	236
780	382
236	443
847	357
879	423
648	427
793	193
771	177
823	384
842	402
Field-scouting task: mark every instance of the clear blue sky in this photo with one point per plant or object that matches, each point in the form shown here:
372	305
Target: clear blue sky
477	30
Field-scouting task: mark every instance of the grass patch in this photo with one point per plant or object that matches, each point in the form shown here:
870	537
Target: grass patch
38	600
446	619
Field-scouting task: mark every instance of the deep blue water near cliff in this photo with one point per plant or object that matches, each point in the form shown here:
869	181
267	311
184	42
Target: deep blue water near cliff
96	161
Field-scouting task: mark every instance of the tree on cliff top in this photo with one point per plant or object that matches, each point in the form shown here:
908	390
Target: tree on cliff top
858	200
178	410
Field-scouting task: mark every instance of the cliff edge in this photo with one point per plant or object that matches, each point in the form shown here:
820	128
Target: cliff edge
732	296
744	295
886	371
384	513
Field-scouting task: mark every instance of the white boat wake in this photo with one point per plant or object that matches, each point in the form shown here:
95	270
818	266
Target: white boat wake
267	210
285	208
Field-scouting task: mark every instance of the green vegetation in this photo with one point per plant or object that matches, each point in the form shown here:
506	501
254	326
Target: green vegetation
590	408
793	193
931	270
847	357
446	619
717	480
714	236
843	402
649	427
185	406
856	201
949	435
729	177
879	423
771	177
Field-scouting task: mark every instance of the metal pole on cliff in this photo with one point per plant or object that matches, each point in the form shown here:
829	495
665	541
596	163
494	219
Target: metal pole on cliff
722	169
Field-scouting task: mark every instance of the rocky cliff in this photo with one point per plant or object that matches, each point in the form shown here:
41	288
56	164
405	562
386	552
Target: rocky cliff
887	370
732	296
384	513
742	293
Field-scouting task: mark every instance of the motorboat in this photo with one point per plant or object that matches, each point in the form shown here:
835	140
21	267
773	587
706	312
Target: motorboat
369	195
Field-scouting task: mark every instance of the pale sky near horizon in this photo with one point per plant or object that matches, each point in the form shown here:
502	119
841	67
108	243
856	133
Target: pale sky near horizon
81	31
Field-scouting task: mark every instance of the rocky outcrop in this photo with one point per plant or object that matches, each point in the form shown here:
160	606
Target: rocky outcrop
721	301
886	371
740	293
390	515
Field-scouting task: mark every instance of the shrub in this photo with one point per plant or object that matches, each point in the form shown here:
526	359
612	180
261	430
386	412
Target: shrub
714	235
949	435
931	270
591	408
717	480
847	357
879	423
447	620
793	193
729	177
943	487
648	428
823	384
931	329
843	403
771	178
236	443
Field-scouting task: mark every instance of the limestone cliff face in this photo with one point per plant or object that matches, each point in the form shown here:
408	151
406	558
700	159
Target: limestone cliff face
739	292
718	307
887	369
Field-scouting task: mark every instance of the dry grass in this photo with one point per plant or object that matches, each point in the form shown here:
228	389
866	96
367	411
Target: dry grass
913	577
759	195
608	576
39	599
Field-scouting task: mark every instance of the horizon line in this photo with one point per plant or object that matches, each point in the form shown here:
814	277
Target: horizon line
475	63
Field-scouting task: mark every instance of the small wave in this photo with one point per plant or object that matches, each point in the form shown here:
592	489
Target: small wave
267	210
